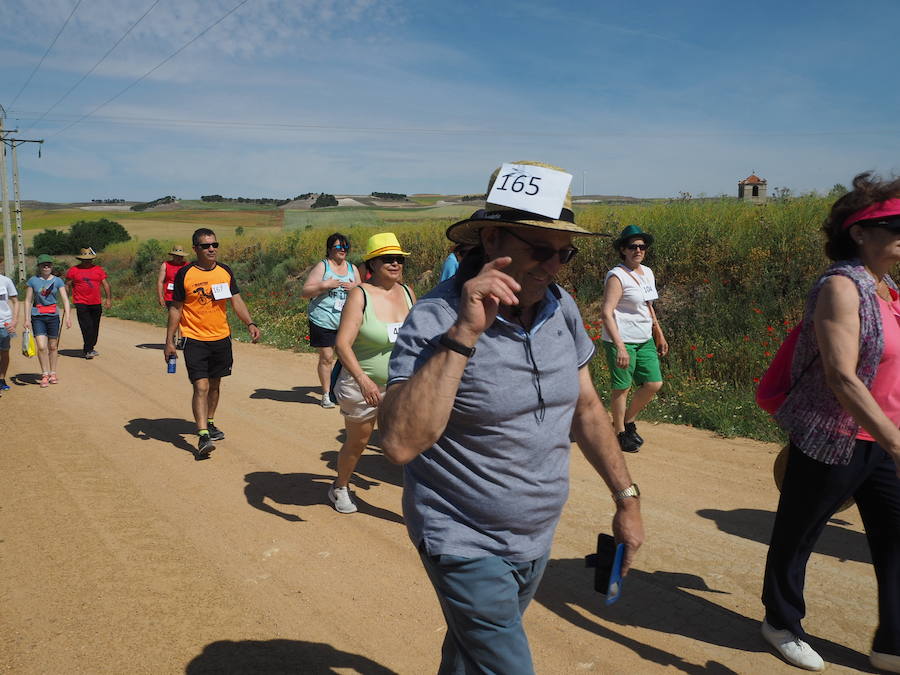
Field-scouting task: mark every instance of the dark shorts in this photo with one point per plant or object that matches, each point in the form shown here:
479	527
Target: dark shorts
4	339
321	337
45	324
169	303
205	360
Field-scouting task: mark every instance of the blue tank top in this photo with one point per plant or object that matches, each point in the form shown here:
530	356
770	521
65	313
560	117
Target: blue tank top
325	310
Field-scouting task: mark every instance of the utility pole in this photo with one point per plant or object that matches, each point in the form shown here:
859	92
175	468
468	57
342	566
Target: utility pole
4	195
20	244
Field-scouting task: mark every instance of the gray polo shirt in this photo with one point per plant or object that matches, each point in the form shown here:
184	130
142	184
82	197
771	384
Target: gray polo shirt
495	482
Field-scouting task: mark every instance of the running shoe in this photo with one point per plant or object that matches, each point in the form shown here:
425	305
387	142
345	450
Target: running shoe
631	428
4	386
340	497
45	380
88	355
628	442
326	401
215	433
205	446
93	353
54	379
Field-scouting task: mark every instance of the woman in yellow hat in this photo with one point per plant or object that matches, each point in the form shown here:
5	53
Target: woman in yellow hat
374	312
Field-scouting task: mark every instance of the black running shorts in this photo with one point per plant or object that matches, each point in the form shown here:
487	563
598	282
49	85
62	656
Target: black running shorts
321	337
207	359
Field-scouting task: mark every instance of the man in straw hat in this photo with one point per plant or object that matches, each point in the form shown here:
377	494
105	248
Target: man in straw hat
200	298
500	355
84	282
165	283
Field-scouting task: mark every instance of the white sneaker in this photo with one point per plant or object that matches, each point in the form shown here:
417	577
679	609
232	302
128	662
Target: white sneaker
792	649
887	662
327	402
340	497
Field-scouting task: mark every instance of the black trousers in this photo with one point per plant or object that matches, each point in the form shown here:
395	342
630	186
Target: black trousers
89	322
811	493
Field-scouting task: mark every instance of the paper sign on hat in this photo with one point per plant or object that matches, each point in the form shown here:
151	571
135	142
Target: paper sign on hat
535	189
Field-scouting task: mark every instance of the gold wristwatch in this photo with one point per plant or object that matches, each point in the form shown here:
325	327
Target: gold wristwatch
631	491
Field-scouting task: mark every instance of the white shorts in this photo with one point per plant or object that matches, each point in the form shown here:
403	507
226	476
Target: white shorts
350	398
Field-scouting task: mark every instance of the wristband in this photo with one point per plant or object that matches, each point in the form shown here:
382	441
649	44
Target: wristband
251	324
455	346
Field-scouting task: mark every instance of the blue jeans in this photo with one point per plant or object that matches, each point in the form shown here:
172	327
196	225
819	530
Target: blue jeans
4	339
45	324
483	600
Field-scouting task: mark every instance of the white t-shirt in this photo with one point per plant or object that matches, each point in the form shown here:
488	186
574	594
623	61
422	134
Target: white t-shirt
7	291
632	314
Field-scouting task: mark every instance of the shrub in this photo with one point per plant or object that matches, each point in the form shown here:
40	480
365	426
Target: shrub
51	242
98	234
148	257
324	200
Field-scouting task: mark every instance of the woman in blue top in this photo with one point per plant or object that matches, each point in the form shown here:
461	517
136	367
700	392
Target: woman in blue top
44	292
328	284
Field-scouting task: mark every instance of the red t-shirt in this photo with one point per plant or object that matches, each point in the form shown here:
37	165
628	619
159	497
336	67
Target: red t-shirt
169	281
86	284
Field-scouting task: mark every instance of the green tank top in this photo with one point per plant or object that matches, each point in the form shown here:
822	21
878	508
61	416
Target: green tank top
375	341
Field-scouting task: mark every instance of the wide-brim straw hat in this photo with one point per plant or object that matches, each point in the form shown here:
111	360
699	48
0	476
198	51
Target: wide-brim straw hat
177	250
384	243
497	215
86	254
632	232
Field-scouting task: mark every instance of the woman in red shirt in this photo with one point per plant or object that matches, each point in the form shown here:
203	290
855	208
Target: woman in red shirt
165	283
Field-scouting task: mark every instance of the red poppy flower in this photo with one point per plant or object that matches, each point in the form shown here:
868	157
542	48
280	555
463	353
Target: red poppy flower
693	348
709	356
756	379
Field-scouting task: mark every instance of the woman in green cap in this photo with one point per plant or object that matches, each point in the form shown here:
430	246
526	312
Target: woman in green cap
42	316
632	337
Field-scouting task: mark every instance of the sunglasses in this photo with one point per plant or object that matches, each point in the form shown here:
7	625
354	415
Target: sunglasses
543	253
212	244
46	265
341	247
637	247
389	259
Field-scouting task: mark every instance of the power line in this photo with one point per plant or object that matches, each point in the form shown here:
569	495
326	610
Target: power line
157	66
94	67
312	126
71	14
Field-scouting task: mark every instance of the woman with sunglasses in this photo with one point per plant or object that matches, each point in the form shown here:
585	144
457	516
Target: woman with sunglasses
842	416
368	329
42	316
328	285
632	337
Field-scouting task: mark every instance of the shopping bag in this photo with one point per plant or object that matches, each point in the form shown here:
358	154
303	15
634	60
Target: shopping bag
29	349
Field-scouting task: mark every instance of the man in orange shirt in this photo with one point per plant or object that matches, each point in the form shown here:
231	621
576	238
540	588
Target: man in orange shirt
199	307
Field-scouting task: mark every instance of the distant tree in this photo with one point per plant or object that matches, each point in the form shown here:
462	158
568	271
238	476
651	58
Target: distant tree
239	231
782	194
147	258
305	195
390	196
168	199
324	200
212	198
839	190
51	242
685	196
97	234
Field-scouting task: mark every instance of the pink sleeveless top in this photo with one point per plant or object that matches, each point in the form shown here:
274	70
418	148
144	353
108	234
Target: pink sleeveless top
886	385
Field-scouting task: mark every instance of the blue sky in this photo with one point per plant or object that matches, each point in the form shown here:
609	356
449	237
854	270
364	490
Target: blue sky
354	96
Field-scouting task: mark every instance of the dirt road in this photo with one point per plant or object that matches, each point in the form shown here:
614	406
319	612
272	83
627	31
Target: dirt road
119	553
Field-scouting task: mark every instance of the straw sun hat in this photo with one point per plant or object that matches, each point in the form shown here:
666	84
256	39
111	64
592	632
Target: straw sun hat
497	215
177	250
86	254
384	243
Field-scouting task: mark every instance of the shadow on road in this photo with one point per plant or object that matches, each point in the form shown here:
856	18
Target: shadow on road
308	395
72	353
372	469
303	489
271	657
170	430
23	379
151	345
756	525
667	602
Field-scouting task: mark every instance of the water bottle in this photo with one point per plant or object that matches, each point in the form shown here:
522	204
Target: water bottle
170	367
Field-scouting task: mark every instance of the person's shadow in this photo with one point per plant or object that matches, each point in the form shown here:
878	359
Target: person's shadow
303	489
277	657
170	430
756	525
666	602
72	353
22	379
371	470
294	395
151	345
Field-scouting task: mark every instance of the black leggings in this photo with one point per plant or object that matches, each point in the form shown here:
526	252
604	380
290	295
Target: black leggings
89	322
811	493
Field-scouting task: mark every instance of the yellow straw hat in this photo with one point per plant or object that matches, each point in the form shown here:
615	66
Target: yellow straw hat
384	243
497	215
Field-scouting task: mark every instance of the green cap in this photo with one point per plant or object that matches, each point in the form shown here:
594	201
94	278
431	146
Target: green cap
44	258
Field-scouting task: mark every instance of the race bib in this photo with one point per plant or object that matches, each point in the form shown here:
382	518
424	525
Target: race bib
170	287
393	329
535	189
221	291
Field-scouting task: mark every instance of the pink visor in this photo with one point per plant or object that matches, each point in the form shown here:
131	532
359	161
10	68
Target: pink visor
889	208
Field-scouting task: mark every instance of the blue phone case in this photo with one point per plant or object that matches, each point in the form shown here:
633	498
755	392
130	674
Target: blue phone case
614	590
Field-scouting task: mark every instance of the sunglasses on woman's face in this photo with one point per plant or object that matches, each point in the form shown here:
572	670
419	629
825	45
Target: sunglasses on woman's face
212	244
637	247
340	247
46	265
543	253
389	259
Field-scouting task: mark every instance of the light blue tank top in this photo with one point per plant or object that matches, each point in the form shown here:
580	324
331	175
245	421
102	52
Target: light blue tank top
325	310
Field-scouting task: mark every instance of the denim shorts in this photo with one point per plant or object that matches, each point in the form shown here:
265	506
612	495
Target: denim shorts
4	339
45	324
